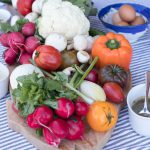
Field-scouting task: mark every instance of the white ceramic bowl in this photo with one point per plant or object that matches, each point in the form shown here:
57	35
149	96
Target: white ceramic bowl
139	124
4	15
4	80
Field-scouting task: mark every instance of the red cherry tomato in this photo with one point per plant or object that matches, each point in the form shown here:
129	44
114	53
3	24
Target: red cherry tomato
24	6
48	58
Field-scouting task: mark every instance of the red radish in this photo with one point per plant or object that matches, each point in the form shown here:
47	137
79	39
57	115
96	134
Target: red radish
50	137
28	29
31	122
81	108
59	127
24	6
16	40
43	115
76	128
10	56
31	44
4	39
24	58
92	76
65	108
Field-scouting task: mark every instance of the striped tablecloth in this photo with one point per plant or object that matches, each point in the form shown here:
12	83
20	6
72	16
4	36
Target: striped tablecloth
123	137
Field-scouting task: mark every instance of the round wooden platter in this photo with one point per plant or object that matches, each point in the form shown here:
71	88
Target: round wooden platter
92	140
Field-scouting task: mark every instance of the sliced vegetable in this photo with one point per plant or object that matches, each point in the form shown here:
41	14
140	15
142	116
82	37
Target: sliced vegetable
114	92
113	73
48	58
65	108
112	49
102	116
93	91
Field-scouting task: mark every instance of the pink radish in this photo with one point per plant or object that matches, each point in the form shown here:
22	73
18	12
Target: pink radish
31	44
10	56
43	115
16	40
76	128
50	137
65	108
24	58
81	108
28	29
31	122
59	127
4	39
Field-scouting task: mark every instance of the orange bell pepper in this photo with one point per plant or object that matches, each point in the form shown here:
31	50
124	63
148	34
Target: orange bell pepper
112	49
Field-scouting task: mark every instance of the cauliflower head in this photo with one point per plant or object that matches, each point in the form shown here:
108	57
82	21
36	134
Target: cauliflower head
64	18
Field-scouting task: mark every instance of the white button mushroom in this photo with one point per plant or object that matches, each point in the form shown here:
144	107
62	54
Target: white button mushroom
37	6
14	19
14	3
80	42
90	41
32	17
68	71
56	40
83	56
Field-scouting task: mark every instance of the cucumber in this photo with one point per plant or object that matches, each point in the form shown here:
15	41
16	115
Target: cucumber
94	32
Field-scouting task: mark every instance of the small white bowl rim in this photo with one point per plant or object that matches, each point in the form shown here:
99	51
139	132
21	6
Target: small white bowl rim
8	14
129	107
7	70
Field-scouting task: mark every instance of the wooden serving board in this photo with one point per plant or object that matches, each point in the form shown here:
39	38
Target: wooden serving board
92	140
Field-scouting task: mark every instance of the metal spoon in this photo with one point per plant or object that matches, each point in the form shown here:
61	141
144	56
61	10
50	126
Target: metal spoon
145	110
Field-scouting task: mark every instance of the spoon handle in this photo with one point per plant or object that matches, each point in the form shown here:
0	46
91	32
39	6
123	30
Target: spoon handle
147	85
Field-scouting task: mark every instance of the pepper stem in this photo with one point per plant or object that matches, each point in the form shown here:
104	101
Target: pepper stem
113	44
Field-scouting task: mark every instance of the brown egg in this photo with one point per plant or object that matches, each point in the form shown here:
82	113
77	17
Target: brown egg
116	18
122	23
127	13
138	21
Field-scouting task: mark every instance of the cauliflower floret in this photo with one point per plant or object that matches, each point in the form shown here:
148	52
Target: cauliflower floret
63	18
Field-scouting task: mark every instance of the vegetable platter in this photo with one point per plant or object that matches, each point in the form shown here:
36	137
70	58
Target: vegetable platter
69	82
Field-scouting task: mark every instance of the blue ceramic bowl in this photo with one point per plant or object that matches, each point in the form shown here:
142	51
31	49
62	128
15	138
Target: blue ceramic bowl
132	33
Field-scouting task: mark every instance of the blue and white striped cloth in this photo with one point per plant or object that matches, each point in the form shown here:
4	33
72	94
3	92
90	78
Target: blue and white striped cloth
123	137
